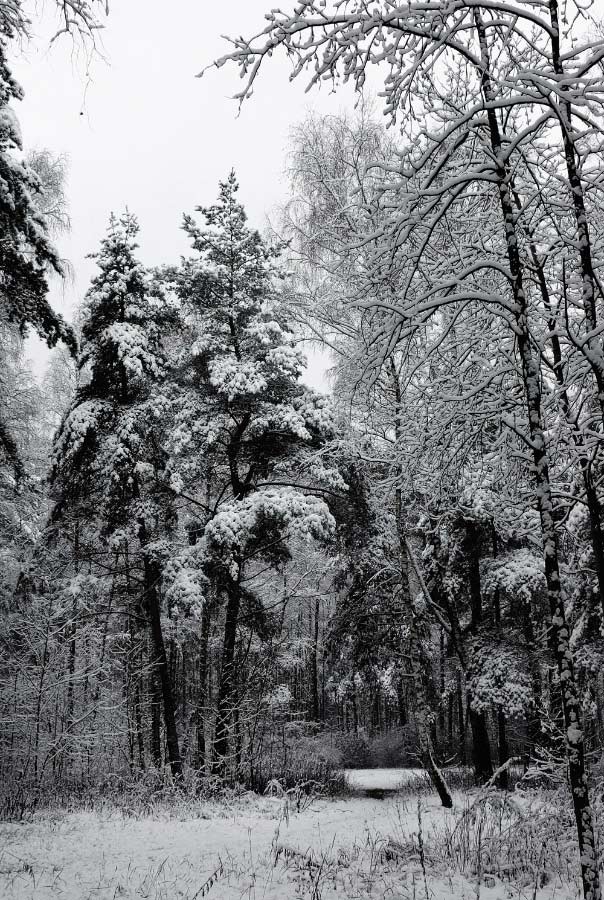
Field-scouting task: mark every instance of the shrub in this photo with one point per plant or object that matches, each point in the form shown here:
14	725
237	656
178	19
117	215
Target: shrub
304	756
394	749
354	751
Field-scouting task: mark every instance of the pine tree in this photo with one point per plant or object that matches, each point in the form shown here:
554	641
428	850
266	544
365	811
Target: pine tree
109	461
247	428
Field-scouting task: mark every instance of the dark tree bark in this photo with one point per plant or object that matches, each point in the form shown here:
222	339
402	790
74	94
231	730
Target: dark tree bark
502	741
226	689
72	643
442	685
471	547
155	694
316	711
481	746
461	722
503	749
202	697
152	575
138	724
402	706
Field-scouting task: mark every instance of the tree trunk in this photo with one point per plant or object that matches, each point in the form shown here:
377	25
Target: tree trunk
72	631
481	746
463	725
227	680
450	721
502	741
402	709
423	715
422	709
594	506
503	749
138	724
155	693
423	721
152	574
202	698
472	551
592	347
559	631
316	712
442	686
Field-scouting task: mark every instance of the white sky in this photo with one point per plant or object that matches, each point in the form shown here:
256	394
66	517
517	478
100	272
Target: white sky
141	131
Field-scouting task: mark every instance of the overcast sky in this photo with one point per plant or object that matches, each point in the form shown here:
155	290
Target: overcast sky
141	131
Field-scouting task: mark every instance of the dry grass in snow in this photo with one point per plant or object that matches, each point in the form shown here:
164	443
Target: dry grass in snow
256	848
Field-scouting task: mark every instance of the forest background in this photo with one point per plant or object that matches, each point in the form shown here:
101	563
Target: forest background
219	573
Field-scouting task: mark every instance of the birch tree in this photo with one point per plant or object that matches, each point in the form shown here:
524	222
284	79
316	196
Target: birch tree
483	44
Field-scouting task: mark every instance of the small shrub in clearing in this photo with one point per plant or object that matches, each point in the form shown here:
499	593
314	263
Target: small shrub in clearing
523	840
305	758
17	802
354	750
394	749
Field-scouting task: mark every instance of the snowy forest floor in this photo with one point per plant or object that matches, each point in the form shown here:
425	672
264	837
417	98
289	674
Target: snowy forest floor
401	847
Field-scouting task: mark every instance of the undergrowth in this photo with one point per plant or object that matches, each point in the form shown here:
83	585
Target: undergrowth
521	841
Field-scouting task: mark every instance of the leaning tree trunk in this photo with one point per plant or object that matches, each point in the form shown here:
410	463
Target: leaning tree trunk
420	665
559	631
481	747
421	706
423	713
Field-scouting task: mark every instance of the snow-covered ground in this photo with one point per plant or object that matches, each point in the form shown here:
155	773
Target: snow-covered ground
254	847
381	779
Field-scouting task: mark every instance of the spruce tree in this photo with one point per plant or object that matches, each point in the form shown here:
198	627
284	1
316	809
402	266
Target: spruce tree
109	461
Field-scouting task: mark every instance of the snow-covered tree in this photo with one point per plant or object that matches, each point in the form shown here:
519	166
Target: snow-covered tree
51	201
26	254
505	59
109	461
248	435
